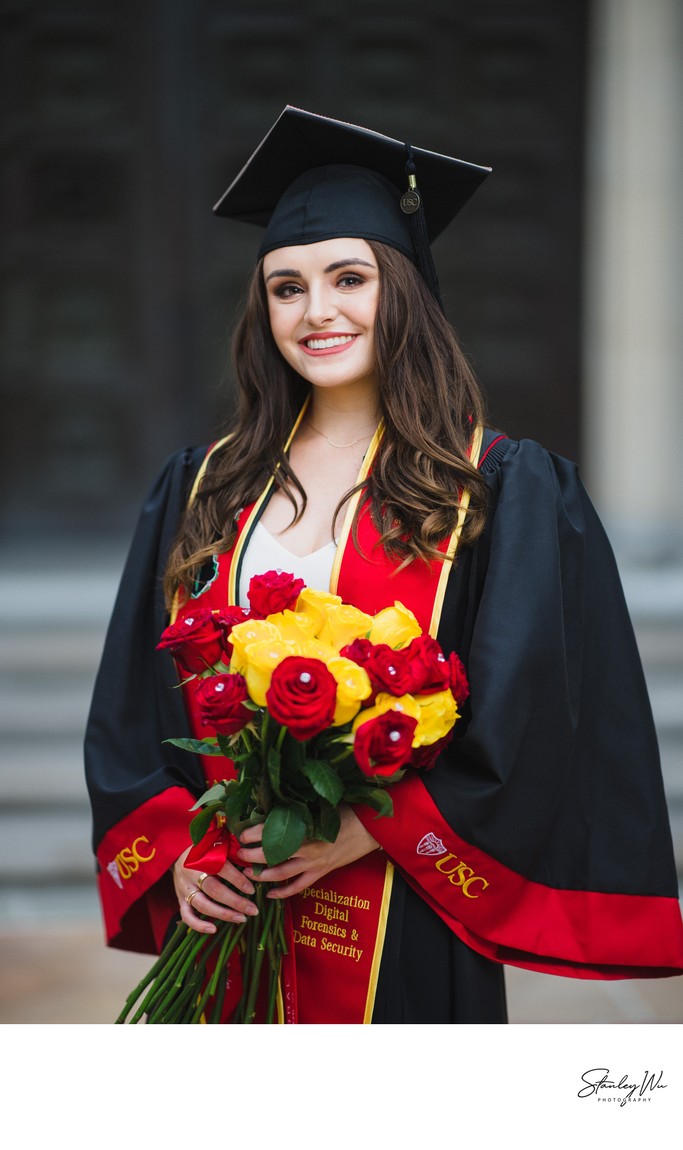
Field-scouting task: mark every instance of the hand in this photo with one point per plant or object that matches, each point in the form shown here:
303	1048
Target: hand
216	898
312	860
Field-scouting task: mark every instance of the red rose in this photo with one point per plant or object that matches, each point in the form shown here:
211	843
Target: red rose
273	592
424	758
220	702
458	679
359	651
384	744
225	623
302	696
388	670
429	667
195	641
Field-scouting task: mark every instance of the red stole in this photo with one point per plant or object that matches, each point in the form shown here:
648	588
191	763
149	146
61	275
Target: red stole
337	928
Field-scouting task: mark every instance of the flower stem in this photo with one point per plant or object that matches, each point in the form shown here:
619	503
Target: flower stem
172	945
250	1008
164	979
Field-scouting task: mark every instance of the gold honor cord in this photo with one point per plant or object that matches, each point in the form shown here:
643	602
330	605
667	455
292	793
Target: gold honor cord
446	567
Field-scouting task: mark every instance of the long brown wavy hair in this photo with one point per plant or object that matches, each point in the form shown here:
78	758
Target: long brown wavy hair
429	401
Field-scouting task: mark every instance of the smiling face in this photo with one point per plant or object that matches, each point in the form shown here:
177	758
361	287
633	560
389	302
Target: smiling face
322	303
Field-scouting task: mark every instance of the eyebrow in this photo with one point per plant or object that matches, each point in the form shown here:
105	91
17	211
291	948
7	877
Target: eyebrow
287	272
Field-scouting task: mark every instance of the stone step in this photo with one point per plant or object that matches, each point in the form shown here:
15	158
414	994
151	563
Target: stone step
51	650
75	588
42	771
41	847
60	708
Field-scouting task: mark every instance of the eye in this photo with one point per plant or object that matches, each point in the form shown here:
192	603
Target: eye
350	279
287	291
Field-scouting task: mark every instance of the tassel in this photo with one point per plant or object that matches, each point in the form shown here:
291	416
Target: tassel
411	204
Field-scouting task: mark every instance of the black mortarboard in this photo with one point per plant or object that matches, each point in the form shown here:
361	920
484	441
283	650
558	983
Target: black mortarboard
312	178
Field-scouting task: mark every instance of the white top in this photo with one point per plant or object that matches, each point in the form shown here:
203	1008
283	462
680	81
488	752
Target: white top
265	553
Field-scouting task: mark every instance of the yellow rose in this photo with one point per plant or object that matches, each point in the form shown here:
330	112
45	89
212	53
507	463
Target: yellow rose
438	713
395	626
261	659
315	649
343	624
353	685
253	631
313	603
293	625
405	704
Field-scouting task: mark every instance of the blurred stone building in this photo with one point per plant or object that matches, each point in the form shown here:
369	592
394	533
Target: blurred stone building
121	126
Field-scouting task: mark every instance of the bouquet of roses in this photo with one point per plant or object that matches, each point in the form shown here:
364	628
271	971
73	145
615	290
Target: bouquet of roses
313	703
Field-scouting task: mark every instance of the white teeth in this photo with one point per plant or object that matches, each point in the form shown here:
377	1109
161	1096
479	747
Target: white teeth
333	341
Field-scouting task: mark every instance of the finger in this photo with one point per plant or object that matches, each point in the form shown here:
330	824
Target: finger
280	872
202	926
189	917
232	874
287	889
253	856
234	909
251	834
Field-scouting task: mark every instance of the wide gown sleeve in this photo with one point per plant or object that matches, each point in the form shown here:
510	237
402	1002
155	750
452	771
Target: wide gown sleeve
542	836
140	789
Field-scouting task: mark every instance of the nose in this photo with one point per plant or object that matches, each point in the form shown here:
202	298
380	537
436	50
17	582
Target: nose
320	307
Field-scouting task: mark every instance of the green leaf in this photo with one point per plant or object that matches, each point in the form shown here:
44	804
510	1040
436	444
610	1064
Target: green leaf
215	794
330	822
324	779
199	746
283	833
200	825
227	745
236	801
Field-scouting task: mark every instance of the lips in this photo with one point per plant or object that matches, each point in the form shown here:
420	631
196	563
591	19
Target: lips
327	344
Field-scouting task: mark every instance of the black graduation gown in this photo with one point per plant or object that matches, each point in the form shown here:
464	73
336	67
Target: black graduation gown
552	784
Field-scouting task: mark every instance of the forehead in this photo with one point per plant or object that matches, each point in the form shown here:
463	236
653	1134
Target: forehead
318	256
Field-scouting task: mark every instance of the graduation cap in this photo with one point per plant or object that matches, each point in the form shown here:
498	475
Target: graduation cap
312	179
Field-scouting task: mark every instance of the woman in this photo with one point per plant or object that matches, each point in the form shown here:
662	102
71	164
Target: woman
358	461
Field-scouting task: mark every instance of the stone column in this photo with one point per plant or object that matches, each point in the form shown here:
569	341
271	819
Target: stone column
633	324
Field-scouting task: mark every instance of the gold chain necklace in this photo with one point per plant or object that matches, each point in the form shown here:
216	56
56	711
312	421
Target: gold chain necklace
331	441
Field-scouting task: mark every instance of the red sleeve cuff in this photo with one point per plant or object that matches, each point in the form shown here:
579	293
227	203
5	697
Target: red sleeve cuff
501	914
134	859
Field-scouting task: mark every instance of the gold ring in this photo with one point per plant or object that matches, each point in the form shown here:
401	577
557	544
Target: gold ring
190	896
201	878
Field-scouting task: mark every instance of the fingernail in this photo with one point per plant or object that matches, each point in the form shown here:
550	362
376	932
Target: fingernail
239	918
252	909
